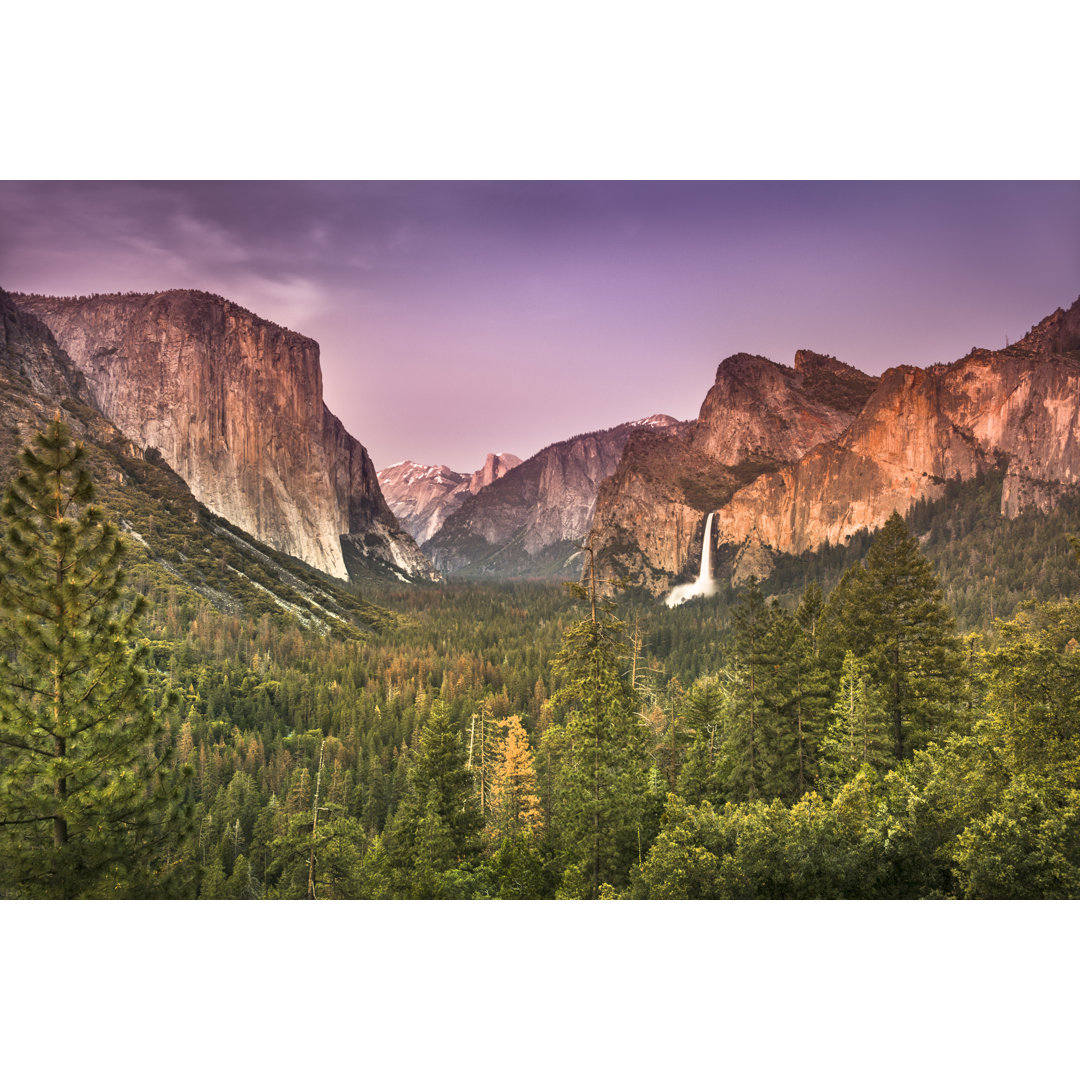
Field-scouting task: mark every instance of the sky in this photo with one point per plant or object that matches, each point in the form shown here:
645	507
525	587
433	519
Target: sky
461	318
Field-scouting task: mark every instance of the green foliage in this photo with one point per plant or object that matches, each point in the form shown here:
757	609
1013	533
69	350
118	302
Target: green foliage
85	801
892	614
858	734
436	828
745	731
704	706
765	851
1027	847
598	767
375	712
521	869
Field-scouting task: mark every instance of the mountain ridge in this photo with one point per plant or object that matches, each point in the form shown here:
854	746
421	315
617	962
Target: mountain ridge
422	497
531	522
757	416
234	404
1015	409
177	551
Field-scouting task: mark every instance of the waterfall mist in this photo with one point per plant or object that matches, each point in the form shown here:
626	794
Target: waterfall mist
704	585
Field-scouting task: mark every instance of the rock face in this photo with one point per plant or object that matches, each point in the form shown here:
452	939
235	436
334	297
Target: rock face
791	458
422	497
234	405
758	409
1016	409
28	349
35	376
757	416
203	557
529	522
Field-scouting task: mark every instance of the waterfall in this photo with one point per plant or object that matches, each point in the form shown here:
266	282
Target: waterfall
705	573
704	586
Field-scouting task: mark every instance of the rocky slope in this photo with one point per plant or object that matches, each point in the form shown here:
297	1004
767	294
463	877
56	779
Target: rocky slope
530	522
790	459
234	405
1017	409
422	497
176	548
757	416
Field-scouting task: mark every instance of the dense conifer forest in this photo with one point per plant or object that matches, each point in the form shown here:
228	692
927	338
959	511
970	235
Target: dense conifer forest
898	719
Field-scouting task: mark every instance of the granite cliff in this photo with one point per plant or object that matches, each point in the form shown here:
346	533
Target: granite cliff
1016	409
792	458
757	416
422	497
234	405
530	522
176	547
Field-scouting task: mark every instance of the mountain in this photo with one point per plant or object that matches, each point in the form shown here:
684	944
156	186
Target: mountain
866	448
422	497
234	404
757	417
530	522
178	553
1016	410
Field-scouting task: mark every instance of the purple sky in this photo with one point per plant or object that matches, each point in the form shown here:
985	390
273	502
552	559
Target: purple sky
461	318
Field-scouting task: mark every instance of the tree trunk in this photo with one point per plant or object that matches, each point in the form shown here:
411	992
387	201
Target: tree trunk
314	826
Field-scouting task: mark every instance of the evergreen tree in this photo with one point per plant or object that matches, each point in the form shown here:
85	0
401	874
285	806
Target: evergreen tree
672	735
599	752
84	804
704	707
795	698
895	617
812	688
241	885
858	732
743	744
436	828
834	625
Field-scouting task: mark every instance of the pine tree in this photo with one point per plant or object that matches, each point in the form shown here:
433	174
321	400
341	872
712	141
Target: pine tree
834	625
599	754
673	736
743	744
897	619
704	707
436	828
811	686
84	803
858	732
795	697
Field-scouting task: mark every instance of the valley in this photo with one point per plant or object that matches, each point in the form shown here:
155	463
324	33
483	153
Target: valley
889	602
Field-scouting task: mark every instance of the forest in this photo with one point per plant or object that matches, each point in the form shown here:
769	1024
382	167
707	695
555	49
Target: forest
896	719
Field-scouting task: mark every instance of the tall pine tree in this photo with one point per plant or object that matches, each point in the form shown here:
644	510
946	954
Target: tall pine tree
599	754
744	736
85	807
896	618
436	828
859	730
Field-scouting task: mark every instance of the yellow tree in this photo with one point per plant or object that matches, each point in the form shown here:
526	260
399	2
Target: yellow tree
515	805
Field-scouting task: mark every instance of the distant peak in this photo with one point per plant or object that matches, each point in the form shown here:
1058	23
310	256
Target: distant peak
657	420
741	361
495	466
1059	332
808	363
